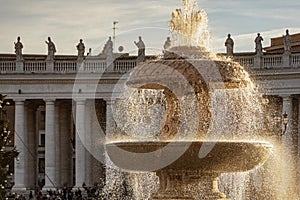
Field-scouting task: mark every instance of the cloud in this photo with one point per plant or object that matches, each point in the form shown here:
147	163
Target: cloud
68	21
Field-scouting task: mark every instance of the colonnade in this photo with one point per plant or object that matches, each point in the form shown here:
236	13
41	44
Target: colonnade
59	150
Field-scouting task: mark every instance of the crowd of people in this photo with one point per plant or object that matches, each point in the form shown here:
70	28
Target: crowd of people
88	193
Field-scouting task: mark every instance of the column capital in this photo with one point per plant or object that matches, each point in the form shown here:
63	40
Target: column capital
19	100
80	100
109	101
286	97
49	100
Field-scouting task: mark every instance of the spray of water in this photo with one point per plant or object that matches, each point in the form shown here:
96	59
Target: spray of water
141	113
189	26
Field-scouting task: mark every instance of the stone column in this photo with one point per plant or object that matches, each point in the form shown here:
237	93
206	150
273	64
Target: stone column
66	152
112	172
80	149
50	149
98	118
32	146
288	160
298	143
89	141
58	151
20	139
110	122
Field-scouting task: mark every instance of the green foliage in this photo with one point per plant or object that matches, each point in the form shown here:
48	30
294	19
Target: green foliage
7	153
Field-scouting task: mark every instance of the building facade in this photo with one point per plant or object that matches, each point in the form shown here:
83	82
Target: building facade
53	100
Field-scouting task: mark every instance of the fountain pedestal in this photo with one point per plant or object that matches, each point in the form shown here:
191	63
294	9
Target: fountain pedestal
188	185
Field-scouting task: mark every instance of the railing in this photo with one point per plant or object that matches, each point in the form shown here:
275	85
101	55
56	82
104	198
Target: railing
95	65
295	60
247	61
7	66
65	67
35	66
272	61
123	66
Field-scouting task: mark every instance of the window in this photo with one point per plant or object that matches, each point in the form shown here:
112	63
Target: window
42	138
43	116
41	165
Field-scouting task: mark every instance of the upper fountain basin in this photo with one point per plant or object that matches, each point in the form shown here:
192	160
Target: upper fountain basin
219	156
185	64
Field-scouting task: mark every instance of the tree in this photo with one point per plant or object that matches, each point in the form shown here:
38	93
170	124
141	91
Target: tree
7	153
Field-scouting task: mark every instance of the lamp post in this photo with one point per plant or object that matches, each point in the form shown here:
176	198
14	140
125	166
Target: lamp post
285	121
114	32
277	120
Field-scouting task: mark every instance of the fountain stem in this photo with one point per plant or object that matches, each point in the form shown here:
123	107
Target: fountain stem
188	185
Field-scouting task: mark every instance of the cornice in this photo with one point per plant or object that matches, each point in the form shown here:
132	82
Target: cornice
55	81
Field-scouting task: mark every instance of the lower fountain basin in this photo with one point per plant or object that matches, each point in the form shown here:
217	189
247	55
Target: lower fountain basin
216	156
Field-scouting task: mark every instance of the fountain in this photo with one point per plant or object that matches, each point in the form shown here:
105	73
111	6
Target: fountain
188	163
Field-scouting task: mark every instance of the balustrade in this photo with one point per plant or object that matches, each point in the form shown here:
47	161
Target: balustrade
123	66
35	66
65	67
272	61
94	66
7	66
246	61
295	60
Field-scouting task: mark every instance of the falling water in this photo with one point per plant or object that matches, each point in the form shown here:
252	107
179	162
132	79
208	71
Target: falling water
141	113
236	114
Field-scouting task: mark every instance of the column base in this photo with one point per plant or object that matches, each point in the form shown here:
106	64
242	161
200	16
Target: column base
78	188
46	188
18	189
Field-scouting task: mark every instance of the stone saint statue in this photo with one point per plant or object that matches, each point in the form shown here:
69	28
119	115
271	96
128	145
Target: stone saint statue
229	45
108	47
51	49
90	52
258	44
18	49
287	40
167	44
141	49
80	49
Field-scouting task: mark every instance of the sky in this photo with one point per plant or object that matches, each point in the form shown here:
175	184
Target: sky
67	21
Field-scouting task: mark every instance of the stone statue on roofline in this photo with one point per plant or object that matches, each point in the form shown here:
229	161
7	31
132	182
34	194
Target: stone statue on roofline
108	48
90	52
51	49
167	44
81	49
287	40
141	49
258	44
229	45
18	49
